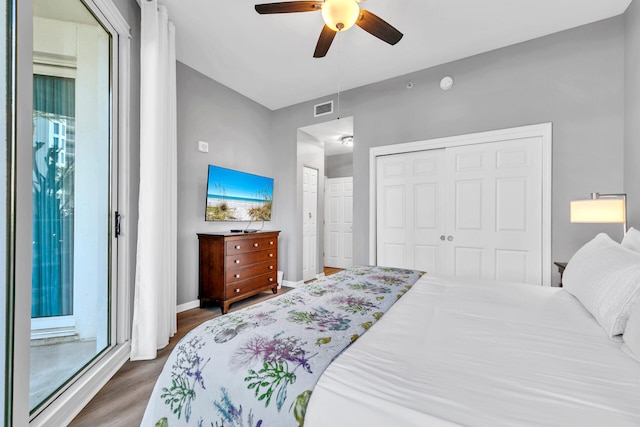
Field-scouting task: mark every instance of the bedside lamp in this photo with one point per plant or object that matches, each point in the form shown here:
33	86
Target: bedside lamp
601	209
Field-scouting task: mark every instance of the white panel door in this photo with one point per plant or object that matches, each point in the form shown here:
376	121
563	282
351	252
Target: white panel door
494	217
410	210
338	228
309	222
470	210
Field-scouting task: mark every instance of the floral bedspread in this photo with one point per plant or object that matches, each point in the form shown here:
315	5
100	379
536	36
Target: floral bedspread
257	367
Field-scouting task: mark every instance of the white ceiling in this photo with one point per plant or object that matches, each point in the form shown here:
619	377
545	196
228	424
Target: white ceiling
269	58
330	135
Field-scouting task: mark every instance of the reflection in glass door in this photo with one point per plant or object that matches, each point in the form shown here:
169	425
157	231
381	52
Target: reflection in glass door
71	194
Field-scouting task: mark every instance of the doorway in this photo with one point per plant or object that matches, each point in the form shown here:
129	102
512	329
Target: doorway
328	148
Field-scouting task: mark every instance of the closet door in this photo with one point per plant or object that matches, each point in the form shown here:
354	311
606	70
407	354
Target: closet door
410	210
470	211
494	212
338	228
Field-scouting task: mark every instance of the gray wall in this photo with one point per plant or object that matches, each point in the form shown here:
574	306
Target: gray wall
573	79
339	165
632	112
238	131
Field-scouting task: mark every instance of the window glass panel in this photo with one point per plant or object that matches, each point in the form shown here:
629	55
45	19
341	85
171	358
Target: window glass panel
71	188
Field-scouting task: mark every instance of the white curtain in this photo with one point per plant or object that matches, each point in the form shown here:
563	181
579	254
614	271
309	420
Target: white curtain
154	315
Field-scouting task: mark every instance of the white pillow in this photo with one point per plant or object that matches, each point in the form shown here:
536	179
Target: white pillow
605	277
632	333
631	240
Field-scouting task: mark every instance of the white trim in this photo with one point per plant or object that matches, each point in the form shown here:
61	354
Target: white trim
113	15
69	404
543	130
123	329
187	306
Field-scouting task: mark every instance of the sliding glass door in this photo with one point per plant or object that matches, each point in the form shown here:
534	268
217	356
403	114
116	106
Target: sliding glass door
72	188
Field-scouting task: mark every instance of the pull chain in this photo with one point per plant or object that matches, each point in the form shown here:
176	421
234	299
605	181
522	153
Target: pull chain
339	70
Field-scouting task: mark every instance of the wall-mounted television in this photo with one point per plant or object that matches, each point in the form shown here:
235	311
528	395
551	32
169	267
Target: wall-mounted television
237	196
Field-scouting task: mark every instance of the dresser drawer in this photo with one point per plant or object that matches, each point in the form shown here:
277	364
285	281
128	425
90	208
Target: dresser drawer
242	246
240	260
233	275
244	286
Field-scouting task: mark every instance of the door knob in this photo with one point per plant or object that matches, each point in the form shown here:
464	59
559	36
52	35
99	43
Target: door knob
450	238
442	237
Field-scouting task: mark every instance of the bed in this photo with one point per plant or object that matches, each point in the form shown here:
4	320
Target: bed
449	352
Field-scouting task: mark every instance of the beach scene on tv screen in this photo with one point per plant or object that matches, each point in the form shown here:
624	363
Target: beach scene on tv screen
238	196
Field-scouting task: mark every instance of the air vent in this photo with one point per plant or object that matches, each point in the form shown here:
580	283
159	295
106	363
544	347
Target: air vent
323	109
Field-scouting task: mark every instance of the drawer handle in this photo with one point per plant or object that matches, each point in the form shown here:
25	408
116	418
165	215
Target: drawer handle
237	246
237	276
237	261
271	255
255	245
236	290
271	242
271	279
271	267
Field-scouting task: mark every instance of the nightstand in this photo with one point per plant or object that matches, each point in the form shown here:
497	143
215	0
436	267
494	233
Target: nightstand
561	266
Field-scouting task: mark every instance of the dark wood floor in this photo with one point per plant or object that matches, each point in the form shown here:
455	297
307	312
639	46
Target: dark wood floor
122	401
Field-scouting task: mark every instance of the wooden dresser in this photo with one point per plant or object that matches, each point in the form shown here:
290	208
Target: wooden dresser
234	266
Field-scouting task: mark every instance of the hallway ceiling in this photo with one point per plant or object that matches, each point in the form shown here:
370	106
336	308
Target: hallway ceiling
269	58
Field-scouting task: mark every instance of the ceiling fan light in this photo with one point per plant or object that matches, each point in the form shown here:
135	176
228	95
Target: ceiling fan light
347	140
340	15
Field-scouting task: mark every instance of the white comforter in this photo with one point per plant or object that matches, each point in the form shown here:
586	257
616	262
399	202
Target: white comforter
480	354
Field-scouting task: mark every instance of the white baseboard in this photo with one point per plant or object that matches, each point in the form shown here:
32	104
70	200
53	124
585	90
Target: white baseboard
187	306
69	404
292	284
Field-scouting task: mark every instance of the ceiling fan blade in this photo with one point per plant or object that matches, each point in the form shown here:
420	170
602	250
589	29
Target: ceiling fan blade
378	27
324	42
289	7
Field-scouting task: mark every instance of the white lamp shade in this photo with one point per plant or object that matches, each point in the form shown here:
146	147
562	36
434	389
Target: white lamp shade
609	211
340	15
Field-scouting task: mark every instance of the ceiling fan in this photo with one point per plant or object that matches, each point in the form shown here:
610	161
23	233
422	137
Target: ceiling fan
338	15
